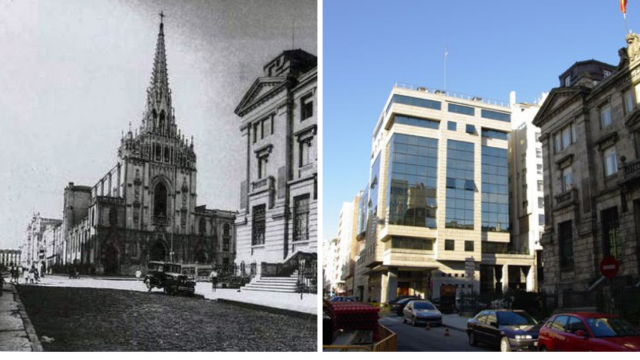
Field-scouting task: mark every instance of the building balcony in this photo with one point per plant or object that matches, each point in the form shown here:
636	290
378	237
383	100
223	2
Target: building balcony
264	184
566	198
630	173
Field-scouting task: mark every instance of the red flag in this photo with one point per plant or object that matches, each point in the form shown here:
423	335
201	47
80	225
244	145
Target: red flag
623	6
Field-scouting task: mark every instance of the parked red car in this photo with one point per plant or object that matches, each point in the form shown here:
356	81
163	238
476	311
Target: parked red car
588	332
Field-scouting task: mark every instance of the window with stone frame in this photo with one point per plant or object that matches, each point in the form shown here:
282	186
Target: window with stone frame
468	245
605	116
540	185
258	225
565	240
565	137
262	167
301	217
610	161
611	239
256	127
305	152
226	237
306	107
449	245
628	101
567	179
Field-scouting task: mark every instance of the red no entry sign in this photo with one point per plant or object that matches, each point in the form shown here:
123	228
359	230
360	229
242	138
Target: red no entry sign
609	266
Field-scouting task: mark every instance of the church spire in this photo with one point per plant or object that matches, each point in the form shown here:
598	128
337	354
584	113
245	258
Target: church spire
159	108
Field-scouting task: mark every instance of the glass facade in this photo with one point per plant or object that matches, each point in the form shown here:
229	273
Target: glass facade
408	120
459	109
412	199
408	100
495	190
412	243
460	185
494	115
495	134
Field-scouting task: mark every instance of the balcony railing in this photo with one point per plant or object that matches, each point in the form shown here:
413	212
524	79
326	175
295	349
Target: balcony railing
452	94
567	197
263	184
632	169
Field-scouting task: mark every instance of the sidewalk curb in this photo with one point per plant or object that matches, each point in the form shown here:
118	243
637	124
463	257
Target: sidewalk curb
298	314
36	346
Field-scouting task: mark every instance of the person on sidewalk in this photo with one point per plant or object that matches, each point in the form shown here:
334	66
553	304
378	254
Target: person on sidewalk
1	283
214	279
25	275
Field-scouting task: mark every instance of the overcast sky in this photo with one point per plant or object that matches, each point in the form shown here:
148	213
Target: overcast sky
75	73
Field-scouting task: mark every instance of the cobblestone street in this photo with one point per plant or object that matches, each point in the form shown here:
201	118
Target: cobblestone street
124	320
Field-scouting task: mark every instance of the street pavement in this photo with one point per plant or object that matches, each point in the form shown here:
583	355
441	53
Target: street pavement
308	304
416	338
14	335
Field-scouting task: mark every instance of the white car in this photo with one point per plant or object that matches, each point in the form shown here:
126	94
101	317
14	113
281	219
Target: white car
422	311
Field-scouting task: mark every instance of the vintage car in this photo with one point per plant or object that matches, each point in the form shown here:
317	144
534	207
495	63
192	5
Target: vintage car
169	278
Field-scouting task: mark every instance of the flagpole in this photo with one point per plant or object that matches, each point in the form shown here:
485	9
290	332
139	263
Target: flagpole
445	69
626	24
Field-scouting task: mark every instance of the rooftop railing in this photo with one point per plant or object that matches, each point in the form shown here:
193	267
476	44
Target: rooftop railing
452	94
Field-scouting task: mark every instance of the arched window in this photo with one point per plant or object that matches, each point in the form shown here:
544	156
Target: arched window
166	154
162	121
160	201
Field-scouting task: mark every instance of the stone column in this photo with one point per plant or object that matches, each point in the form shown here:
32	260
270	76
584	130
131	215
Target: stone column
505	278
389	285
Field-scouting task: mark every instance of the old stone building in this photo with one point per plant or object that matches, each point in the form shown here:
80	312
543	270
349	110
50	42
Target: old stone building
145	207
10	257
590	128
279	196
34	246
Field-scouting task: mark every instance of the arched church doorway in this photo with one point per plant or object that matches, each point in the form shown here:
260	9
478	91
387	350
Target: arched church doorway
158	252
111	259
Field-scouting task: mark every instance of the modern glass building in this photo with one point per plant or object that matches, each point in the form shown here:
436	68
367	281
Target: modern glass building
437	201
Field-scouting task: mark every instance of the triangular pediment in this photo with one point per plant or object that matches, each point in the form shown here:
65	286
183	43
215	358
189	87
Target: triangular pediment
556	99
260	89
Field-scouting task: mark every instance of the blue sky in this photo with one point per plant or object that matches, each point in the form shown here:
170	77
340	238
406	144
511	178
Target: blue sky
494	47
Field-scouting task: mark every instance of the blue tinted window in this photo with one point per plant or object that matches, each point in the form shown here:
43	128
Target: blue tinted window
412	199
459	109
408	120
451	125
407	100
495	134
460	185
471	129
488	114
495	190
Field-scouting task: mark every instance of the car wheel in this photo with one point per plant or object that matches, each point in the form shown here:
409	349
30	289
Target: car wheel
504	345
147	282
543	349
472	339
404	320
413	321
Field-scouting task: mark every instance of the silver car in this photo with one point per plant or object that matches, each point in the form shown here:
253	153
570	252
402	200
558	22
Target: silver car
422	311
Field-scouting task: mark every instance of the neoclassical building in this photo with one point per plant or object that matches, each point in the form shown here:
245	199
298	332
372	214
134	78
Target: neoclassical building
145	207
279	196
591	146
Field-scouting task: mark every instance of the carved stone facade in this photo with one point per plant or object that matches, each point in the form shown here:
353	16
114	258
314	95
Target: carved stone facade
278	215
591	147
145	207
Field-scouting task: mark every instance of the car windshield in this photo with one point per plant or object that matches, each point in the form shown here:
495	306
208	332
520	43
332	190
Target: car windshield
611	327
515	318
419	305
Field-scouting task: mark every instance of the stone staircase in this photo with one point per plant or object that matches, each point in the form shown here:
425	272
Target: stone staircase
274	284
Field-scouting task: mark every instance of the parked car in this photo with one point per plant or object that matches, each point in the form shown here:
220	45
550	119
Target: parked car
421	311
169	278
342	299
588	332
510	330
397	306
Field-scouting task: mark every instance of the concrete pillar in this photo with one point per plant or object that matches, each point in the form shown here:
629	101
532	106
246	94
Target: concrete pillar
505	278
389	285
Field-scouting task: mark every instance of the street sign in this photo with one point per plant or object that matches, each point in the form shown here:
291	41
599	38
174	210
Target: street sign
609	266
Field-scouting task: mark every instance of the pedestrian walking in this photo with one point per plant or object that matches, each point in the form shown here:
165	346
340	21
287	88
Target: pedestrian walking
1	283
214	279
25	275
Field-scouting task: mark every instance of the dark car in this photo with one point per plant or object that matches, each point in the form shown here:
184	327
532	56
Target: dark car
169	278
397	306
588	332
510	330
421	311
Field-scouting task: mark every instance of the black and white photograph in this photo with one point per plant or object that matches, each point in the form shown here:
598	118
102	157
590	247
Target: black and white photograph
159	183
